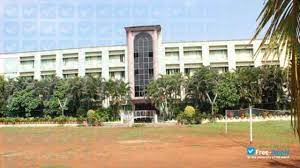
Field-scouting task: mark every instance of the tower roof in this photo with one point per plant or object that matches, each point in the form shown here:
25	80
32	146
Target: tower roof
143	28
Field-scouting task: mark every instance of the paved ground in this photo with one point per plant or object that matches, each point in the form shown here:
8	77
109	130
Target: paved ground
129	147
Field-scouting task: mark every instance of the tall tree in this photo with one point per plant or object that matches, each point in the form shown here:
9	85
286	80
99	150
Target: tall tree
2	95
92	93
201	87
165	92
117	92
25	103
280	19
228	91
249	84
273	83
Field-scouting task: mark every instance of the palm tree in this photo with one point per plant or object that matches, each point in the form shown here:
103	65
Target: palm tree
201	87
118	93
165	93
280	19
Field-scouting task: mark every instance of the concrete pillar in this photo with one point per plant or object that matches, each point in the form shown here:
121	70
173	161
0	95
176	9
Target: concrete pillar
59	64
126	66
155	118
205	55
105	64
105	71
231	57
37	67
81	63
155	54
283	60
257	58
181	66
2	65
105	103
122	115
181	59
160	54
131	118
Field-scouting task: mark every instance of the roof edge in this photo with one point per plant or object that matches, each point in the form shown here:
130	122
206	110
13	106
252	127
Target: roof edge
143	28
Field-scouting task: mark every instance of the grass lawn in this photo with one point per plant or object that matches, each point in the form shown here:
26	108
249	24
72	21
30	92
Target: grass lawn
54	147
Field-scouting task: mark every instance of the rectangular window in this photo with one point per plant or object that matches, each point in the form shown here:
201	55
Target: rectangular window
150	54
112	74
172	71
136	72
67	76
122	58
187	71
122	74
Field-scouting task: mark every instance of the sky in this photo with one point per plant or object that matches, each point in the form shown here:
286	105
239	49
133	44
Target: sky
33	25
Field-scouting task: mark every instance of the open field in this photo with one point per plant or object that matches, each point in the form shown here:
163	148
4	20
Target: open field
179	146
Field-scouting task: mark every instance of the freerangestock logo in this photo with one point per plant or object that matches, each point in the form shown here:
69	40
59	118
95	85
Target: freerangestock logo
251	151
254	153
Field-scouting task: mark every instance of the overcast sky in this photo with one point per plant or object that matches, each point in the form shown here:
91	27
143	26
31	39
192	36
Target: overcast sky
31	25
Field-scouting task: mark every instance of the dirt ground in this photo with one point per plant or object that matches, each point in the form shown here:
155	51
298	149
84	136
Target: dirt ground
89	149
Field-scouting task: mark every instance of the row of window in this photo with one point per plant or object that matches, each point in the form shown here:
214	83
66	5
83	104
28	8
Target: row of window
242	53
190	71
112	75
72	61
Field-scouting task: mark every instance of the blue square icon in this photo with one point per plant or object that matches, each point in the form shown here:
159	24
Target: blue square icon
251	150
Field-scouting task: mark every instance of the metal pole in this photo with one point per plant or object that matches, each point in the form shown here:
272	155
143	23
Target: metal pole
225	121
250	115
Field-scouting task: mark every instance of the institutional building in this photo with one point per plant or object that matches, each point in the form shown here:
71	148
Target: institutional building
142	59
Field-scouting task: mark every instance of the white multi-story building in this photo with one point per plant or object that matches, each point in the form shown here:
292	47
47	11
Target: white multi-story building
142	59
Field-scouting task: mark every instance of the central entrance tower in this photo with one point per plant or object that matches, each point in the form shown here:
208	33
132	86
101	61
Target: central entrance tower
143	43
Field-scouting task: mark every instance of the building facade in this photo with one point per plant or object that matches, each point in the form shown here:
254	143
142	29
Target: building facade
142	59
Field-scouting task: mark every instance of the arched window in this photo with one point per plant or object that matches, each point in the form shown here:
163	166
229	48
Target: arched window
143	62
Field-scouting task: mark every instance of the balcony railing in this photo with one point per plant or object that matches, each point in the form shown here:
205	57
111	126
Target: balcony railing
144	114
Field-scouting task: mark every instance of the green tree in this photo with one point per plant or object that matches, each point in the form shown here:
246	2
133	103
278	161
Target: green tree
2	95
250	86
228	91
58	102
273	83
24	103
201	87
165	93
118	93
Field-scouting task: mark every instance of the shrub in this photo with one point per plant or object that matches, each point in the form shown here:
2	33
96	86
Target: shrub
199	117
61	119
138	125
264	114
80	119
230	114
80	112
188	116
104	114
93	118
242	114
189	111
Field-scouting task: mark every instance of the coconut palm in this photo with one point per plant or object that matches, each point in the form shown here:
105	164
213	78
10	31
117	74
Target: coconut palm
201	87
280	19
117	92
165	93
